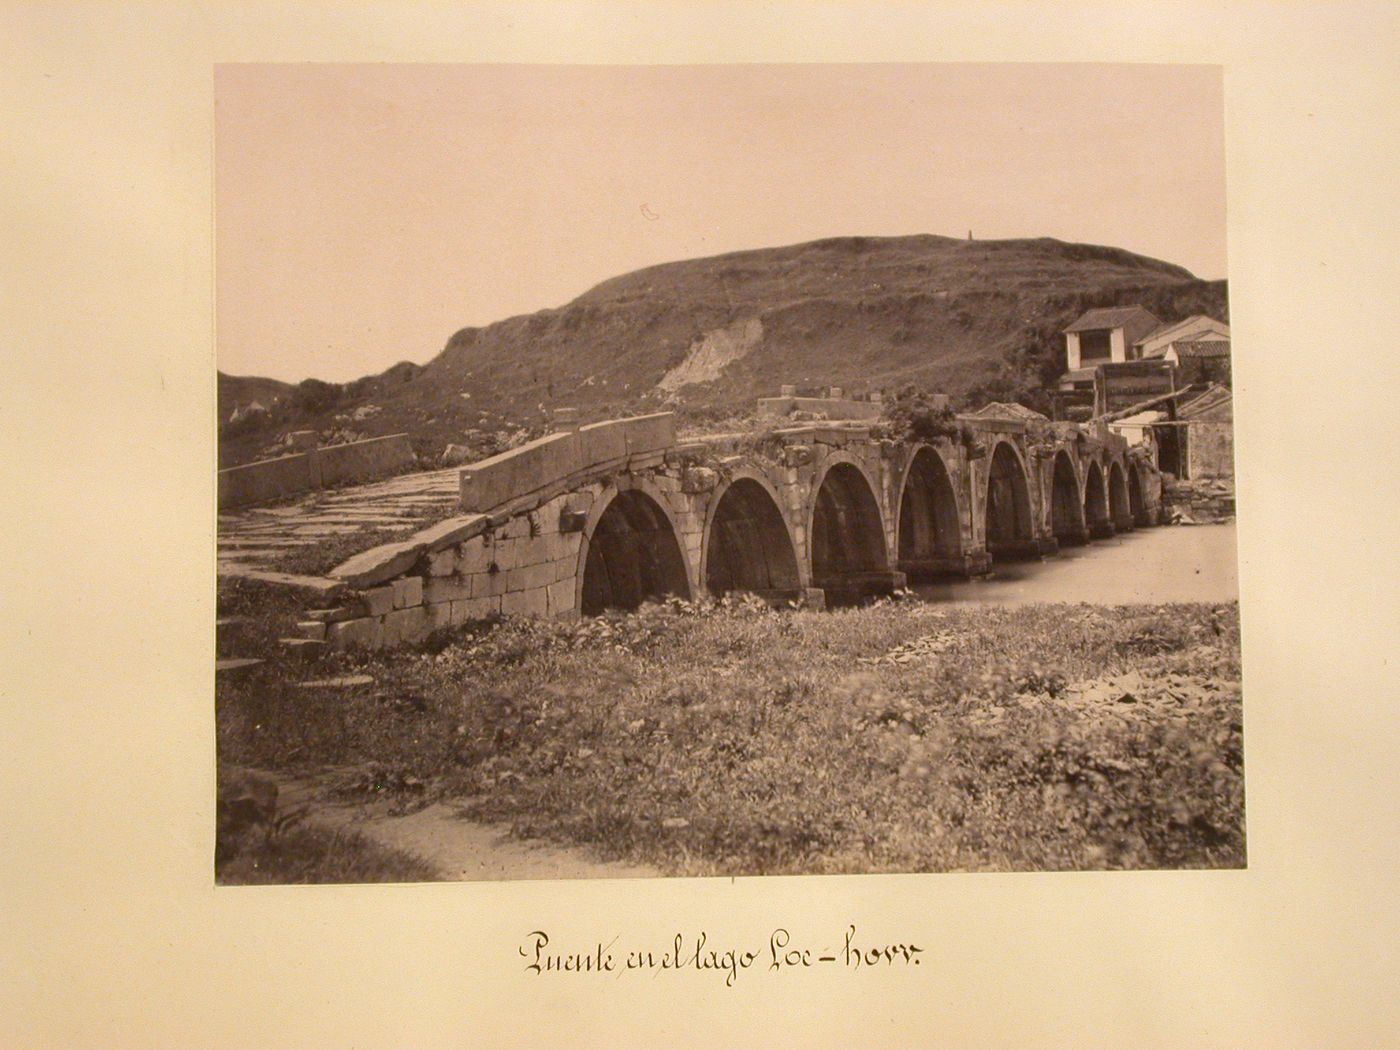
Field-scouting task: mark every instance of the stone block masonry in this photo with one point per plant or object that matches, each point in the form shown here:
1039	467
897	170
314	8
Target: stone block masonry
535	464
616	513
523	567
268	480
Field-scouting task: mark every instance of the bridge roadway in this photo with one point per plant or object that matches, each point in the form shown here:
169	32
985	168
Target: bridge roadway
253	540
612	514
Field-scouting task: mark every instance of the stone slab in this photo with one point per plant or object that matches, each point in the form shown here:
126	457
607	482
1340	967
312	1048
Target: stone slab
488	584
268	479
654	433
348	681
447	589
364	633
363	460
492	482
439	616
303	648
995	426
379	564
474	609
326	590
235	665
529	577
560	596
408	592
451	532
599	442
348	611
406	625
525	603
378	600
313	629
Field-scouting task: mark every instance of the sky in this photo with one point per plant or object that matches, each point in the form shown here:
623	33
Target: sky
364	213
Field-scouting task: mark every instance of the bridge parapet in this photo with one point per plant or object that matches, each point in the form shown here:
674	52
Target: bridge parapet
563	458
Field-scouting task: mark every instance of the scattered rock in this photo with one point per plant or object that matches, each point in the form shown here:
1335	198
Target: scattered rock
453	455
924	648
235	665
348	681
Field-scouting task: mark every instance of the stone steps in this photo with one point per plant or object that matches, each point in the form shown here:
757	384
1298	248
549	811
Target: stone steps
251	540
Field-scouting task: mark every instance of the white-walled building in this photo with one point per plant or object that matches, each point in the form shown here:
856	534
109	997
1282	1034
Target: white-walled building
1196	329
1108	335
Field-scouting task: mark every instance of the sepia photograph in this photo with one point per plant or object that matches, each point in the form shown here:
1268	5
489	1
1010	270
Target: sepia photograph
723	470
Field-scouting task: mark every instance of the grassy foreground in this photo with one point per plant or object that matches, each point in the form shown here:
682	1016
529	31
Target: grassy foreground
733	739
311	854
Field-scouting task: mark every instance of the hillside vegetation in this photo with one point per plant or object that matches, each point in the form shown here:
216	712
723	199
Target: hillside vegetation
979	320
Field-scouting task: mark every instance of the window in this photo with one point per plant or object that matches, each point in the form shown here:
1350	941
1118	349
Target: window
1095	346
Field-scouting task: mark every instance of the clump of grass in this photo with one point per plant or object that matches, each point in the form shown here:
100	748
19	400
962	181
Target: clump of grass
736	739
313	854
319	558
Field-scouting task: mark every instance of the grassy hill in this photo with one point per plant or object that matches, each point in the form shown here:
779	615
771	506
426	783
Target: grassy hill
241	391
976	319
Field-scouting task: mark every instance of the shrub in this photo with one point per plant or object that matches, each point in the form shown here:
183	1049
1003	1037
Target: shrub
314	396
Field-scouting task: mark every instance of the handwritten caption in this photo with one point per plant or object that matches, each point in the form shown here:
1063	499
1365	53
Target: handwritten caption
781	953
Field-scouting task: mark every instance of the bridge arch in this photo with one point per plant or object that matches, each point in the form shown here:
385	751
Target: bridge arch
846	532
631	551
1010	530
1136	504
747	544
1118	503
1067	521
928	526
1096	502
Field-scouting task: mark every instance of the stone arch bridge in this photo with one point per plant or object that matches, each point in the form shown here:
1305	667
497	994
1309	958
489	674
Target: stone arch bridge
616	513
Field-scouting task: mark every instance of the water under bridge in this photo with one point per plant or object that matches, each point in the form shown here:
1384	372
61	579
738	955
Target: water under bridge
613	514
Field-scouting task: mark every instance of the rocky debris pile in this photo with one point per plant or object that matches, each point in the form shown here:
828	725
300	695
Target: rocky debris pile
925	648
1138	694
342	436
478	444
1204	502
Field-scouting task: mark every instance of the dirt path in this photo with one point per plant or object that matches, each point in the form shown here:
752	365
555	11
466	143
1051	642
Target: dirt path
462	849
